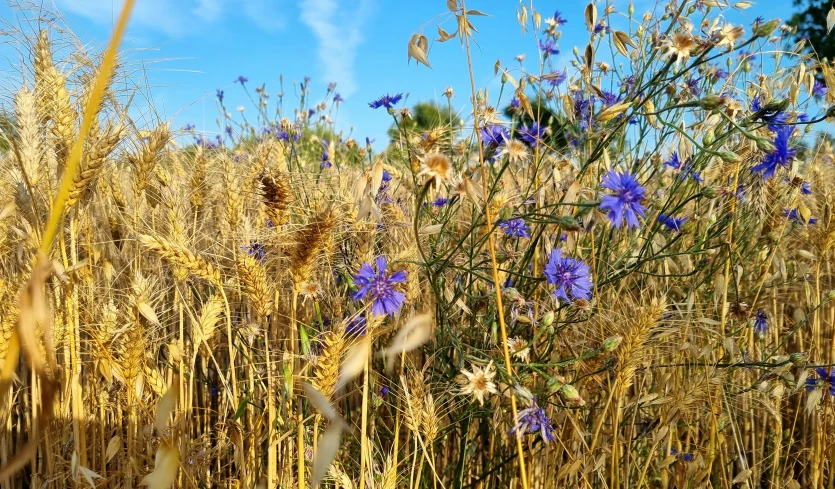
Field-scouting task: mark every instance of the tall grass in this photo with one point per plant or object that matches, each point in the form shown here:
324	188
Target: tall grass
623	280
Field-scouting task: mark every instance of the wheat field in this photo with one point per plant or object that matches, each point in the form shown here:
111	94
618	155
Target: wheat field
623	280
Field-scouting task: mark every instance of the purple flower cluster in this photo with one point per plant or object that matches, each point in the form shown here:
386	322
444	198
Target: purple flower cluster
571	276
625	203
782	155
387	101
533	420
823	380
380	287
516	228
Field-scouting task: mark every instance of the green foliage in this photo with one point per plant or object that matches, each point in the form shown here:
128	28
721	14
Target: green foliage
810	23
555	137
426	116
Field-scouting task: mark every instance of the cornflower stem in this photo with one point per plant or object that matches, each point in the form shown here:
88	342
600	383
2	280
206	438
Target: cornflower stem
493	262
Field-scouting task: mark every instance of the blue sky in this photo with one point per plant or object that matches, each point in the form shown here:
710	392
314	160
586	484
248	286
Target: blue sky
190	48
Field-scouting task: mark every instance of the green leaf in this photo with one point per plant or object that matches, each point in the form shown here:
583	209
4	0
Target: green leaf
241	408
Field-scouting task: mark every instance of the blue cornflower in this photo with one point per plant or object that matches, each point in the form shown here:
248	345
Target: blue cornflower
357	326
337	98
386	101
819	89
760	322
549	47
380	286
609	98
493	136
693	86
782	155
823	381
571	276
384	390
533	420
558	19
582	110
555	78
687	457
628	83
625	203
601	27
219	94
806	188
794	216
674	162
188	127
532	135
440	202
256	250
514	103
230	132
516	228
241	79
672	223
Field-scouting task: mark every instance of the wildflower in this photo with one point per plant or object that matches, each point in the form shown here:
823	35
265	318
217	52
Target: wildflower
311	290
729	34
219	94
571	276
437	169
760	322
357	326
555	79
687	457
601	27
449	93
625	204
386	101
672	223
823	381
516	228
692	85
533	420
337	98
256	250
558	20
532	135
384	390
519	349
241	79
440	202
679	45
549	47
493	136
806	188
782	155
516	151
380	286
479	382
798	217
819	89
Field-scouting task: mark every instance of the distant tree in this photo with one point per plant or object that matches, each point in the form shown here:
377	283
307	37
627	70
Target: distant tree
810	23
545	117
427	116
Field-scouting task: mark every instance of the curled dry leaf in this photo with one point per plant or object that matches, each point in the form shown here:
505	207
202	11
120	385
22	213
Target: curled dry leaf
113	447
166	464
327	449
354	362
167	405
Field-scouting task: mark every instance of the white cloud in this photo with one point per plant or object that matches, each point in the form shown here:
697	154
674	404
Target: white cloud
177	17
339	34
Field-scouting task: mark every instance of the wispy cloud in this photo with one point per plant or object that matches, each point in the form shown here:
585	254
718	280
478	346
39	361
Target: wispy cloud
339	33
179	17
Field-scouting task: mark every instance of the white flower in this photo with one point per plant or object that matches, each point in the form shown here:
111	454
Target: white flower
479	382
